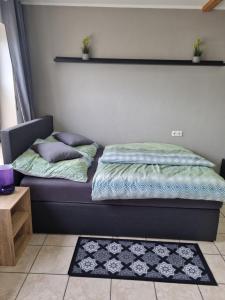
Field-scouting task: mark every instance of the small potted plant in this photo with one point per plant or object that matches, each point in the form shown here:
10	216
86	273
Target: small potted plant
86	48
197	51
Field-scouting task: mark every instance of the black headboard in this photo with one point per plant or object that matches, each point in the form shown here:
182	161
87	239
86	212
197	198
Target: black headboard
17	139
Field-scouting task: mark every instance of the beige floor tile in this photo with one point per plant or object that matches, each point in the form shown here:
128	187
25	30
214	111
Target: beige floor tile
37	239
222	210
222	218
173	291
25	261
53	260
88	289
208	248
213	292
220	237
43	287
217	266
10	284
220	243
132	290
221	227
61	240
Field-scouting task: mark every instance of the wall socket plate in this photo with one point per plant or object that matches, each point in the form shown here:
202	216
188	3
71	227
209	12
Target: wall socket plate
177	133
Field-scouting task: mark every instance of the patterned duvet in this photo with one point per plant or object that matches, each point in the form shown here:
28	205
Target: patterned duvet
130	176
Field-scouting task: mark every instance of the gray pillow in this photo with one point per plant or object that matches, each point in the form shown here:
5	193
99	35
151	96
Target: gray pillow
72	139
55	151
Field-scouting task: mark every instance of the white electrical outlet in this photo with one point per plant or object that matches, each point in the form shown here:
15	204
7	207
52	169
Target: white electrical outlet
177	133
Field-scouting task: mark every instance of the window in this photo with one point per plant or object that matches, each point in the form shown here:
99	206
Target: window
7	96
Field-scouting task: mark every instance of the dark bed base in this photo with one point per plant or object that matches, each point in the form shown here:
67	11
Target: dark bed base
108	219
133	221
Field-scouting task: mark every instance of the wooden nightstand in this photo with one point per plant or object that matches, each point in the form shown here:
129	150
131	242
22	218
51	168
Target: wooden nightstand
15	225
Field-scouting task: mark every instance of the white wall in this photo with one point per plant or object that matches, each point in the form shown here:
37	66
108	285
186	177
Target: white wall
124	103
7	97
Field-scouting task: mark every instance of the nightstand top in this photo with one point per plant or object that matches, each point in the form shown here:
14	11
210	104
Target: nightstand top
7	202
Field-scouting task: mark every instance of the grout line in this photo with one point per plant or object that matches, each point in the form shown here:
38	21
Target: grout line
34	259
16	272
156	296
200	292
66	287
222	213
21	286
41	273
110	290
5	271
74	245
29	270
218	249
38	244
45	239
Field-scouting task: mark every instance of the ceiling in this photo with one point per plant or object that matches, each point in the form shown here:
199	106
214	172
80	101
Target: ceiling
166	4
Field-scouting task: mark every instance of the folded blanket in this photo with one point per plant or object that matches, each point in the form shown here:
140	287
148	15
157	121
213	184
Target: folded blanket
148	171
142	181
153	153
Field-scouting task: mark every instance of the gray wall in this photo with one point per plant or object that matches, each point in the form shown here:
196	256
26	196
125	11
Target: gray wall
125	103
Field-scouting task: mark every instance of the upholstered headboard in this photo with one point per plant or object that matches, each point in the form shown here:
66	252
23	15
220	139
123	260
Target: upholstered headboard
16	140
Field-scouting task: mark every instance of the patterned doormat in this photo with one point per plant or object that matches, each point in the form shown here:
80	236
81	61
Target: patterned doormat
140	260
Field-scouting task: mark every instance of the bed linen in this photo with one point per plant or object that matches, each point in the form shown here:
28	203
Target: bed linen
153	153
119	180
86	150
67	191
32	164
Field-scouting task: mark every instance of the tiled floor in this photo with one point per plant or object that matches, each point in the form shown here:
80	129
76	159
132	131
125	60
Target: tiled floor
41	274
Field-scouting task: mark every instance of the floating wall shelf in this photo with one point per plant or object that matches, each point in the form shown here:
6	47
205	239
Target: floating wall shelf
126	61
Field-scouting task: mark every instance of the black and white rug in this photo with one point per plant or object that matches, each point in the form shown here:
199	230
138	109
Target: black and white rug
140	260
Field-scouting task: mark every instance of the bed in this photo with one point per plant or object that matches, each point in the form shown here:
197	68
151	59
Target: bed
66	207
